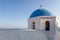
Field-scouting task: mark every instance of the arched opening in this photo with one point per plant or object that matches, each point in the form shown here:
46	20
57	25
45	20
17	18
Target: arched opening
47	25
33	25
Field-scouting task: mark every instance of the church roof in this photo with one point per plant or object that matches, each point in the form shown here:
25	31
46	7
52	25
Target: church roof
40	12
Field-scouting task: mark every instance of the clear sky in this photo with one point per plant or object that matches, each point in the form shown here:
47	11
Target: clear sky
14	13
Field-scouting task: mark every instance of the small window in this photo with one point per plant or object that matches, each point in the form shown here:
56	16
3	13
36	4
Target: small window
33	25
47	25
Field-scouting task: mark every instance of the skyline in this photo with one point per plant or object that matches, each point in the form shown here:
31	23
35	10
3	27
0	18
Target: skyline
14	13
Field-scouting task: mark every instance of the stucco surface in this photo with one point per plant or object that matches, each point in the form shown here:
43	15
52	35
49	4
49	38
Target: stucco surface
22	35
57	36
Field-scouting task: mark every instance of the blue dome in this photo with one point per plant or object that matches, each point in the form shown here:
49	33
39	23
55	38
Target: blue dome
40	12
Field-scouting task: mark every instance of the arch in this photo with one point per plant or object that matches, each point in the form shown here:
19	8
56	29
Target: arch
47	26
33	25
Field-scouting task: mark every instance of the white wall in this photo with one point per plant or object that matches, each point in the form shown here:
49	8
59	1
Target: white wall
22	35
36	20
52	20
57	36
40	25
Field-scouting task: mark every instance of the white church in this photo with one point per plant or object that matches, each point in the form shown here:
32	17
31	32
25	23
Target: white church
42	25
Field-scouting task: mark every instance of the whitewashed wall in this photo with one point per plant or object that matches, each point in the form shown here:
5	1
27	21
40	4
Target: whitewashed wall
36	20
40	25
22	35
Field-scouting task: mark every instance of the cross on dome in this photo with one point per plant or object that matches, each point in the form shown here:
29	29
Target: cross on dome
41	6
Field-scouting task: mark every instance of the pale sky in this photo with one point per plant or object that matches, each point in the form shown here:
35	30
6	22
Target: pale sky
14	13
